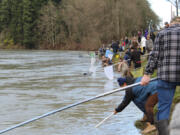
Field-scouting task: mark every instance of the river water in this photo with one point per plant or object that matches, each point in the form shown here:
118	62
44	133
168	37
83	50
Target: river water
33	83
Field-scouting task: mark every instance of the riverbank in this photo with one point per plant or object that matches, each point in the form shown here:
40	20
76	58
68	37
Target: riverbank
9	45
141	125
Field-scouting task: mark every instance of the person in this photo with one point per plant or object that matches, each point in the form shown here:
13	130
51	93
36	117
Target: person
139	36
123	68
108	53
127	57
102	50
134	44
166	25
149	44
146	33
136	56
106	61
152	36
145	98
127	41
123	44
165	56
143	44
115	46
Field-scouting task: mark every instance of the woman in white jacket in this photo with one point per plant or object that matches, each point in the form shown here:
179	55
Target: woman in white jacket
143	44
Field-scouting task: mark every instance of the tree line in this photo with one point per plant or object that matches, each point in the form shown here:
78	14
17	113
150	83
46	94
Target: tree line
71	24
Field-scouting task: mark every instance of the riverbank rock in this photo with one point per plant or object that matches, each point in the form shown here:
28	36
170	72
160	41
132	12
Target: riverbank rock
175	121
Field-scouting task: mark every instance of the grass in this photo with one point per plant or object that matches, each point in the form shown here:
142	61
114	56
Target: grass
141	125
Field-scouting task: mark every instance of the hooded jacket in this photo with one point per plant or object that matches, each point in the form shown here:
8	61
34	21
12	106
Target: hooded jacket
138	94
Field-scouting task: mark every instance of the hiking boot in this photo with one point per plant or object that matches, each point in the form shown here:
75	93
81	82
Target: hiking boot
148	129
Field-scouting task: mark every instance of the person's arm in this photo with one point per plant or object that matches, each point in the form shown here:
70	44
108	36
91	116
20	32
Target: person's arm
152	61
127	99
154	55
119	67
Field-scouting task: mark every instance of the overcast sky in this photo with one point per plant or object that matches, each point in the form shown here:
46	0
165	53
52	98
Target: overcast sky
162	8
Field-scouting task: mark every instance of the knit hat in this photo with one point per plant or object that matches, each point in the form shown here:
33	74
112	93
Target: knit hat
121	81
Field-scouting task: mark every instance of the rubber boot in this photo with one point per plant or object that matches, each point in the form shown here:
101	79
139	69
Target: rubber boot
162	127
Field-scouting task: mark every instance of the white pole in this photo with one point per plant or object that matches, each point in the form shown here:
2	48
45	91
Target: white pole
100	123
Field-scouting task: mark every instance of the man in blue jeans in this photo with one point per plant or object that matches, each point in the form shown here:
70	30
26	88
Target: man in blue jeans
165	56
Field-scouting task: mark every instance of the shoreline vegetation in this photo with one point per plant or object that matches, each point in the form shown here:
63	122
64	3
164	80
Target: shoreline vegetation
75	47
72	24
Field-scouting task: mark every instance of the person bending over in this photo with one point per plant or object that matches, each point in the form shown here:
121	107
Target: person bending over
144	97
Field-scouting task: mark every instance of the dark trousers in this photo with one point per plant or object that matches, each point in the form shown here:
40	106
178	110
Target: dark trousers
149	106
137	65
144	50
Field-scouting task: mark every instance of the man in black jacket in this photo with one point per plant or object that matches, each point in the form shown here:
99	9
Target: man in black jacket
115	46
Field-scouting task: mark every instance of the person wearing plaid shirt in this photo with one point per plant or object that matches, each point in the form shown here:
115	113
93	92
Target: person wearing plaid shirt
165	56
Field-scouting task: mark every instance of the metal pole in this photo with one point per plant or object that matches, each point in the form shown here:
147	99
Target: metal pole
171	11
177	7
70	106
175	3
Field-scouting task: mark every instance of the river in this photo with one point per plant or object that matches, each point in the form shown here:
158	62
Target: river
33	83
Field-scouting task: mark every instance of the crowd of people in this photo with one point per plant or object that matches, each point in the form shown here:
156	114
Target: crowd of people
130	50
163	53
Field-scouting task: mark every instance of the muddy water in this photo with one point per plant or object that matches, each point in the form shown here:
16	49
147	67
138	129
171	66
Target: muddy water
36	82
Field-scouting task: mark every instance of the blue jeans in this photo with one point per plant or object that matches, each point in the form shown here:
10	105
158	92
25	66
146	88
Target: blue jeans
165	92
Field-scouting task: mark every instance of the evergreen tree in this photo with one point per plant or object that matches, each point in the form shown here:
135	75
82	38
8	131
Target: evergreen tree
60	22
29	15
5	13
16	24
